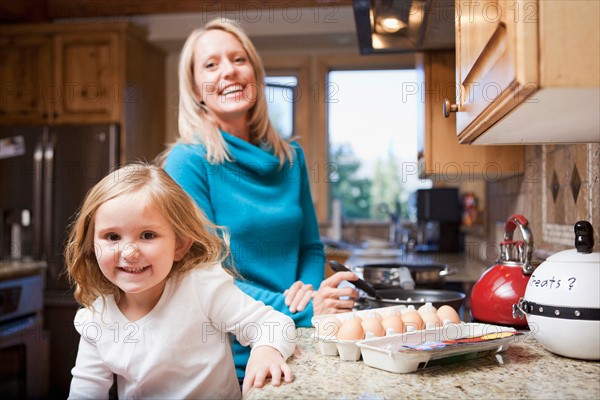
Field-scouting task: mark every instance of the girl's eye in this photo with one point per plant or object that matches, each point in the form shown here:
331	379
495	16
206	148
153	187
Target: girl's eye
209	65
113	237
240	60
148	235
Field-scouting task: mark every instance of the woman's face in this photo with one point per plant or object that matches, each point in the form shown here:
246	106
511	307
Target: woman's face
224	78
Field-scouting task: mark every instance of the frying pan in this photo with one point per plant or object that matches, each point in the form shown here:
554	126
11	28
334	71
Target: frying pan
396	297
416	298
387	276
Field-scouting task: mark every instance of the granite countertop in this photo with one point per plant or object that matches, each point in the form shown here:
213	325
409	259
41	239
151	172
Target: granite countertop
14	269
526	371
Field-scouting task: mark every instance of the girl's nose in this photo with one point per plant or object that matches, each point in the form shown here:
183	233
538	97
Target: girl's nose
130	252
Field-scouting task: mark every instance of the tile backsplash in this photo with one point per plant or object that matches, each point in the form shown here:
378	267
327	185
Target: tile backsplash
559	187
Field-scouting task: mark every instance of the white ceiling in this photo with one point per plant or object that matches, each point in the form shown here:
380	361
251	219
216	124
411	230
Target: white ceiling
269	29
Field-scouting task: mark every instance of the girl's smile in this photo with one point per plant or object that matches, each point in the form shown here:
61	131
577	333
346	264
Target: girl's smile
135	246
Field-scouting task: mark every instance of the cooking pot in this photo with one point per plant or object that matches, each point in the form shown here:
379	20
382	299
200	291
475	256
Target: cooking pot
416	298
503	284
561	301
389	275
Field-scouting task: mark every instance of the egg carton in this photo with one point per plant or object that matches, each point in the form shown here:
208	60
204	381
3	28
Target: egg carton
348	350
410	352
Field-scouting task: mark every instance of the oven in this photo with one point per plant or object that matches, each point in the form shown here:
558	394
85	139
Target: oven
23	342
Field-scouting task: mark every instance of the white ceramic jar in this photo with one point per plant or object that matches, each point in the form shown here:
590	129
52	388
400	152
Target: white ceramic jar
562	299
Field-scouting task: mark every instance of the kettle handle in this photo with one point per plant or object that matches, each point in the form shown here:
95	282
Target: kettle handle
514	221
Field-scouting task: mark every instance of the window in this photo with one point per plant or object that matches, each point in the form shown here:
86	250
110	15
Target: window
372	132
280	93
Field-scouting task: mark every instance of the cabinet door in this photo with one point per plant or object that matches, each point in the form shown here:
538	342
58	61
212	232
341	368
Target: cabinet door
25	79
441	157
496	61
87	71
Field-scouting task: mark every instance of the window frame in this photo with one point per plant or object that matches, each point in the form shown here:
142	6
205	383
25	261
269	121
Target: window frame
311	106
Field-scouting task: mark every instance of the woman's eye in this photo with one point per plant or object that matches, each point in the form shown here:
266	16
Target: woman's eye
113	237
148	235
240	60
209	65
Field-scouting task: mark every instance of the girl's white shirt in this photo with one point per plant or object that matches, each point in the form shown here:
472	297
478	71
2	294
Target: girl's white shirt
181	349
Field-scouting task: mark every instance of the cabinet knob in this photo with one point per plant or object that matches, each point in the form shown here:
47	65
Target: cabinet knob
449	108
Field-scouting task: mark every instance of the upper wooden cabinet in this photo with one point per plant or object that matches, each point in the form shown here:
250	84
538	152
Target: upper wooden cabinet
25	76
527	71
85	74
440	155
86	70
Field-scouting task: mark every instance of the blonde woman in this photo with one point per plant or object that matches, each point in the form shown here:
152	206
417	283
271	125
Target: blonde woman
245	177
158	306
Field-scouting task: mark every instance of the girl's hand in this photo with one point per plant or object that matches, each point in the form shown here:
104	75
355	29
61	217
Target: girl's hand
265	361
327	299
298	296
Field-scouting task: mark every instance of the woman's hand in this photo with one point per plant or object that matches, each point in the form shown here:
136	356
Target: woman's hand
265	361
326	300
298	296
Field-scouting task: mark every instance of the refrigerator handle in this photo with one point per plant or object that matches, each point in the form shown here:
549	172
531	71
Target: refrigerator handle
48	192
38	179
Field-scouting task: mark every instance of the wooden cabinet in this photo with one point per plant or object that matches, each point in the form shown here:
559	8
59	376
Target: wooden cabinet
86	70
25	76
93	73
440	154
527	71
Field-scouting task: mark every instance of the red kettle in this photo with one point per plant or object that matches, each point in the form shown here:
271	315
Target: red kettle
503	284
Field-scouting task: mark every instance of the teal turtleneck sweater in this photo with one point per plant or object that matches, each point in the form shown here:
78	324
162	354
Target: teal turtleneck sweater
269	213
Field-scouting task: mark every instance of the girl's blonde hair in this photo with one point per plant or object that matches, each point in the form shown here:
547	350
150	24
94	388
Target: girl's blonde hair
196	121
172	202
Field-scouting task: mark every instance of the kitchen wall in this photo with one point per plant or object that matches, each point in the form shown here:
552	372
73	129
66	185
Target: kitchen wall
560	186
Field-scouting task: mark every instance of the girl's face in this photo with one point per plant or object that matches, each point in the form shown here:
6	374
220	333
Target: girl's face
223	75
135	246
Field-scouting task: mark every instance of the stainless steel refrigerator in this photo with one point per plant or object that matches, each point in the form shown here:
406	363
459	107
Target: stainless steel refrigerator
45	173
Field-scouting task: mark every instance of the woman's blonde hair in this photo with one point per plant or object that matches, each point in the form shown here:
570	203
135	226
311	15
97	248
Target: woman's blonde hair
184	216
196	121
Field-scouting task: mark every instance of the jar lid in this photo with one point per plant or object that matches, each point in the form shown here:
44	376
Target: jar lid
573	256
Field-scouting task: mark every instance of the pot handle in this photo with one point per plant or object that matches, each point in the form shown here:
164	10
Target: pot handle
514	221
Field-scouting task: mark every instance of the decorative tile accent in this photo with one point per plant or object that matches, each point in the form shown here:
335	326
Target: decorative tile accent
575	183
555	186
572	163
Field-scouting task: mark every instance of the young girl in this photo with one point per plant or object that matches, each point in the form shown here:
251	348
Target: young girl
158	306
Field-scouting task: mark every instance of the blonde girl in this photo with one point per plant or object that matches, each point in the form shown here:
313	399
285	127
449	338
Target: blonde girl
158	306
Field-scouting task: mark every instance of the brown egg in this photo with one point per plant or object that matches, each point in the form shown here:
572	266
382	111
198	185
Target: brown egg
373	325
328	326
412	321
393	322
448	315
351	329
430	319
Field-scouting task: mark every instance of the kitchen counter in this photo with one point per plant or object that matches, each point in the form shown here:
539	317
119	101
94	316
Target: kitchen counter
14	269
526	370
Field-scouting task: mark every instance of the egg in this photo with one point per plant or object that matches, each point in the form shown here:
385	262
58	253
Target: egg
427	307
448	315
328	326
393	324
430	319
351	329
373	325
412	321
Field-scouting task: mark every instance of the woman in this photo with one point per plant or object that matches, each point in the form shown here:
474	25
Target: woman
245	177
